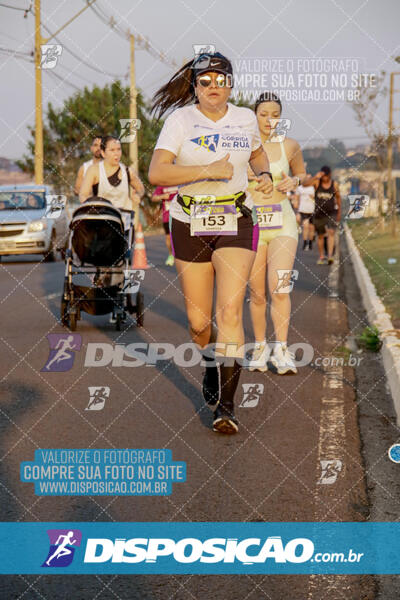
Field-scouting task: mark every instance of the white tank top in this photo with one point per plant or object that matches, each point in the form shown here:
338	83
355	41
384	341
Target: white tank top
86	165
118	195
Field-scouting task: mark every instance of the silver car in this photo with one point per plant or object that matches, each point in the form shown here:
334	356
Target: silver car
32	221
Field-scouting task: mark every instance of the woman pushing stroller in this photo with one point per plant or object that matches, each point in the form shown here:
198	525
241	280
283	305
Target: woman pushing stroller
112	180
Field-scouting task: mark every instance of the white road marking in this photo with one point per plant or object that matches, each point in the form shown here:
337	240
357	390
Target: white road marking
331	444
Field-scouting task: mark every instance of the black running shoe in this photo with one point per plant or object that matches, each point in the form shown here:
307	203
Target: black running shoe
225	421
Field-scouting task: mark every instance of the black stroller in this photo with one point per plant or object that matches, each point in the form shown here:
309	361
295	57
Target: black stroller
100	247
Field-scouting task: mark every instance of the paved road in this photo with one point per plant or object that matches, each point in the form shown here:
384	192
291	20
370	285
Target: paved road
268	472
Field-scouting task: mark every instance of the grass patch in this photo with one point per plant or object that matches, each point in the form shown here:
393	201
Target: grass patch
342	352
375	248
369	339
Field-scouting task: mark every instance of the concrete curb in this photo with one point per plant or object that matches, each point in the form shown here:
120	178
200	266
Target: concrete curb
378	316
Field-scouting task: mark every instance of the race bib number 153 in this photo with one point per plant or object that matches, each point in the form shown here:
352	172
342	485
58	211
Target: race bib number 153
213	219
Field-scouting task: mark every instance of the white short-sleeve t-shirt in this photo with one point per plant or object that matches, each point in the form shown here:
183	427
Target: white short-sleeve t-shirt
197	140
306	198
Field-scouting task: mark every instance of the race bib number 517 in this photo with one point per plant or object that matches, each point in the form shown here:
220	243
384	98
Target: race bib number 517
269	216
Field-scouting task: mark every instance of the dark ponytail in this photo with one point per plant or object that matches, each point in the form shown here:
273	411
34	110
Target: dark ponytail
178	92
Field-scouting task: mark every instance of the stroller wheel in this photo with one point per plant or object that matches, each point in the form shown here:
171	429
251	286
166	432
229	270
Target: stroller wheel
139	309
130	304
64	312
118	323
72	321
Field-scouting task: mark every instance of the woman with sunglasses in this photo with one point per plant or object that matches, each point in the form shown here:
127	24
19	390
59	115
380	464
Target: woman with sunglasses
278	238
204	148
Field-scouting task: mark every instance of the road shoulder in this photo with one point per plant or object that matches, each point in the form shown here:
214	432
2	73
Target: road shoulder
377	421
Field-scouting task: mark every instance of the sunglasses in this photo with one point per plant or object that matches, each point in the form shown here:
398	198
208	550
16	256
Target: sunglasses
220	80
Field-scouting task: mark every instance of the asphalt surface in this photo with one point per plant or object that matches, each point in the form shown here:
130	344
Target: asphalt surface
270	471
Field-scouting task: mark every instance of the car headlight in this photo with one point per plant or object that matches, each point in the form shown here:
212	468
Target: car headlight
37	226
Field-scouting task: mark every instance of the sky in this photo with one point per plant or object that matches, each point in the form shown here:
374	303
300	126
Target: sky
273	45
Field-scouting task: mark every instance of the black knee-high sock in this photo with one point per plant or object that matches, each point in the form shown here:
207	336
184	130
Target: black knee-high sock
229	381
211	381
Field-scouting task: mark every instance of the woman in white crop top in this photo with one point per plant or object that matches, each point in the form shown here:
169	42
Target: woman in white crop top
111	179
278	237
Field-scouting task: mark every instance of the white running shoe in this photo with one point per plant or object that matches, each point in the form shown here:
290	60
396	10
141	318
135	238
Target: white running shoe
259	357
282	359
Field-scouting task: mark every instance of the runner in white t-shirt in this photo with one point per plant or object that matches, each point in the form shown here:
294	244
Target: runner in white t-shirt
306	198
204	148
96	154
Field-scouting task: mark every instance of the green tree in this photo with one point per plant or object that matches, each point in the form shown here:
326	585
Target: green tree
68	132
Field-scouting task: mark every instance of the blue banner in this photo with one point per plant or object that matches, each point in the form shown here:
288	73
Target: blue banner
199	548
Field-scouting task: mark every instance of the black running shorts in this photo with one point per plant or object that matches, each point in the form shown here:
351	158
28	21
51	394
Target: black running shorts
307	216
200	248
325	222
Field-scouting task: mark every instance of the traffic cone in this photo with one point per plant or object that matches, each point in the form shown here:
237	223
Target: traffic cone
139	254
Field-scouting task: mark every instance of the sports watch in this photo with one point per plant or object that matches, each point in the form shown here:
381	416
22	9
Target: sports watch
266	173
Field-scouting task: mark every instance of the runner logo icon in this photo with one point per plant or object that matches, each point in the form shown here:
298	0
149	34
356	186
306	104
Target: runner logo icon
98	396
203	49
129	129
286	281
132	280
251	394
209	142
280	130
357	206
62	351
50	54
63	543
330	470
55	205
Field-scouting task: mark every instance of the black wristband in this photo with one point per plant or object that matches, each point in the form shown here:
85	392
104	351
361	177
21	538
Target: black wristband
266	173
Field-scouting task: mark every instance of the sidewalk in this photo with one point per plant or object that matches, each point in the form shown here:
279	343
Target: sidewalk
376	310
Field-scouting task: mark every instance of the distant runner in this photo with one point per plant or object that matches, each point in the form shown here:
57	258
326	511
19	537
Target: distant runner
327	212
306	199
166	195
96	153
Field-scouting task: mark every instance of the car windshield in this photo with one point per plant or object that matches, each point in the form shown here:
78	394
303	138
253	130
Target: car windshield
22	200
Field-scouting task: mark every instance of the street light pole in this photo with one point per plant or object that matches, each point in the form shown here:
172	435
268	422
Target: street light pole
38	100
133	146
38	162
